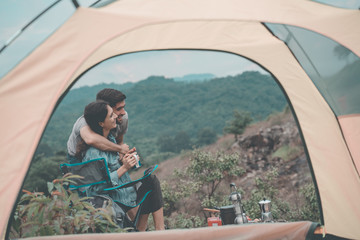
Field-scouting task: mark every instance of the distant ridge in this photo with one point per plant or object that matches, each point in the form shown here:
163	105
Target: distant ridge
161	106
195	77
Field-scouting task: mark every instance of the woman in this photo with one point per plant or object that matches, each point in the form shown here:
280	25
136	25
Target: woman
101	119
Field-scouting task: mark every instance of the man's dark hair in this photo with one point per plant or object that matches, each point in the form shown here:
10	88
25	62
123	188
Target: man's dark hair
112	96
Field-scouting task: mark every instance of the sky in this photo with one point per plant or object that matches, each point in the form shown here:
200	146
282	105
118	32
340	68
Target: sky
15	14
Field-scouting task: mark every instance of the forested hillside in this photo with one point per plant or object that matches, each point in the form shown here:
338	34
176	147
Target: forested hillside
162	109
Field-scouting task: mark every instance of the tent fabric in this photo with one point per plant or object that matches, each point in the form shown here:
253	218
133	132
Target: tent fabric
29	93
268	231
350	127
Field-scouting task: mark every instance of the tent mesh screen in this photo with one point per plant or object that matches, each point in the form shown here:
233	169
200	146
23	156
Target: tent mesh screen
333	68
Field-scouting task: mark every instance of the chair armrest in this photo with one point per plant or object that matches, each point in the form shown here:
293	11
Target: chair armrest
147	173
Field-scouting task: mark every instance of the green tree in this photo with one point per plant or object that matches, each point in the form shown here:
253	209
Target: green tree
208	170
173	193
43	170
181	141
166	143
238	124
206	136
44	149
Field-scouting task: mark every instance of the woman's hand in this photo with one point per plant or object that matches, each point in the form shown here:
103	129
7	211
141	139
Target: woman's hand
129	160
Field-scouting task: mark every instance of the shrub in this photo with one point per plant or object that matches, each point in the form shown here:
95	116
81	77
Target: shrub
62	212
209	170
310	209
184	220
280	209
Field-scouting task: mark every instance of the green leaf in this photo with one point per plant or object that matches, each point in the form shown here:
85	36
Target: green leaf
50	186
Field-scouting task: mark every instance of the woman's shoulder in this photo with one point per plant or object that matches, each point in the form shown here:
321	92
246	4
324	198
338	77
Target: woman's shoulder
93	153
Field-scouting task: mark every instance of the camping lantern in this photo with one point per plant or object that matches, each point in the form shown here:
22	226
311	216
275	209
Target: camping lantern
235	198
265	207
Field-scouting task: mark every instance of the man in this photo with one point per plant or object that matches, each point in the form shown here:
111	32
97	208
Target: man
81	130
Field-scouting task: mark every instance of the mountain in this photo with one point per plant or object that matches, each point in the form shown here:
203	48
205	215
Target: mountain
195	77
162	107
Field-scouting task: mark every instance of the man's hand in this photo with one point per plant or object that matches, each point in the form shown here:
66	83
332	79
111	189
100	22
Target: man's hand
124	148
133	150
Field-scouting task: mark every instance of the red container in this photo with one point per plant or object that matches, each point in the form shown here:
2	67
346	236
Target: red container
214	221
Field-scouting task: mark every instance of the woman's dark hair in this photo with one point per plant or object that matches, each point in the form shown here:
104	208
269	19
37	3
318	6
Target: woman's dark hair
94	113
112	96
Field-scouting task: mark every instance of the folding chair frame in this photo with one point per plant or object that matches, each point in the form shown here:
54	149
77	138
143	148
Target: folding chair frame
96	171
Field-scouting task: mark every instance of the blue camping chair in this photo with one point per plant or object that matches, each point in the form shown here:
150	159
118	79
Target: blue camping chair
96	171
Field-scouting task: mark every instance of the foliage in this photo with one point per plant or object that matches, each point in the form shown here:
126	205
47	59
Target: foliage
157	158
181	141
63	212
265	189
166	143
238	124
208	170
206	136
172	194
310	209
42	170
160	106
280	209
184	220
44	150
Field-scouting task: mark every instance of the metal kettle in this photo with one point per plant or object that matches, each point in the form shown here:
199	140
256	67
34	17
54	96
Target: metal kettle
265	207
235	198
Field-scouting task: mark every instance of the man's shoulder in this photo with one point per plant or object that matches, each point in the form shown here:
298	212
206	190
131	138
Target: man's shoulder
80	123
80	119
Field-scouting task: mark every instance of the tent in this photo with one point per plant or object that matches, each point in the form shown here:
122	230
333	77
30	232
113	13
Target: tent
329	121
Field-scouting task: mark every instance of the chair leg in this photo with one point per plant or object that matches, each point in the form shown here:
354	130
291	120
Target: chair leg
129	224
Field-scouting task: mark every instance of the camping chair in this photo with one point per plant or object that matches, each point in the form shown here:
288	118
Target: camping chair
96	171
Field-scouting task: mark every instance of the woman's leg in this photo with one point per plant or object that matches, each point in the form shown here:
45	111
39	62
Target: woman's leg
153	204
142	222
159	219
132	213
